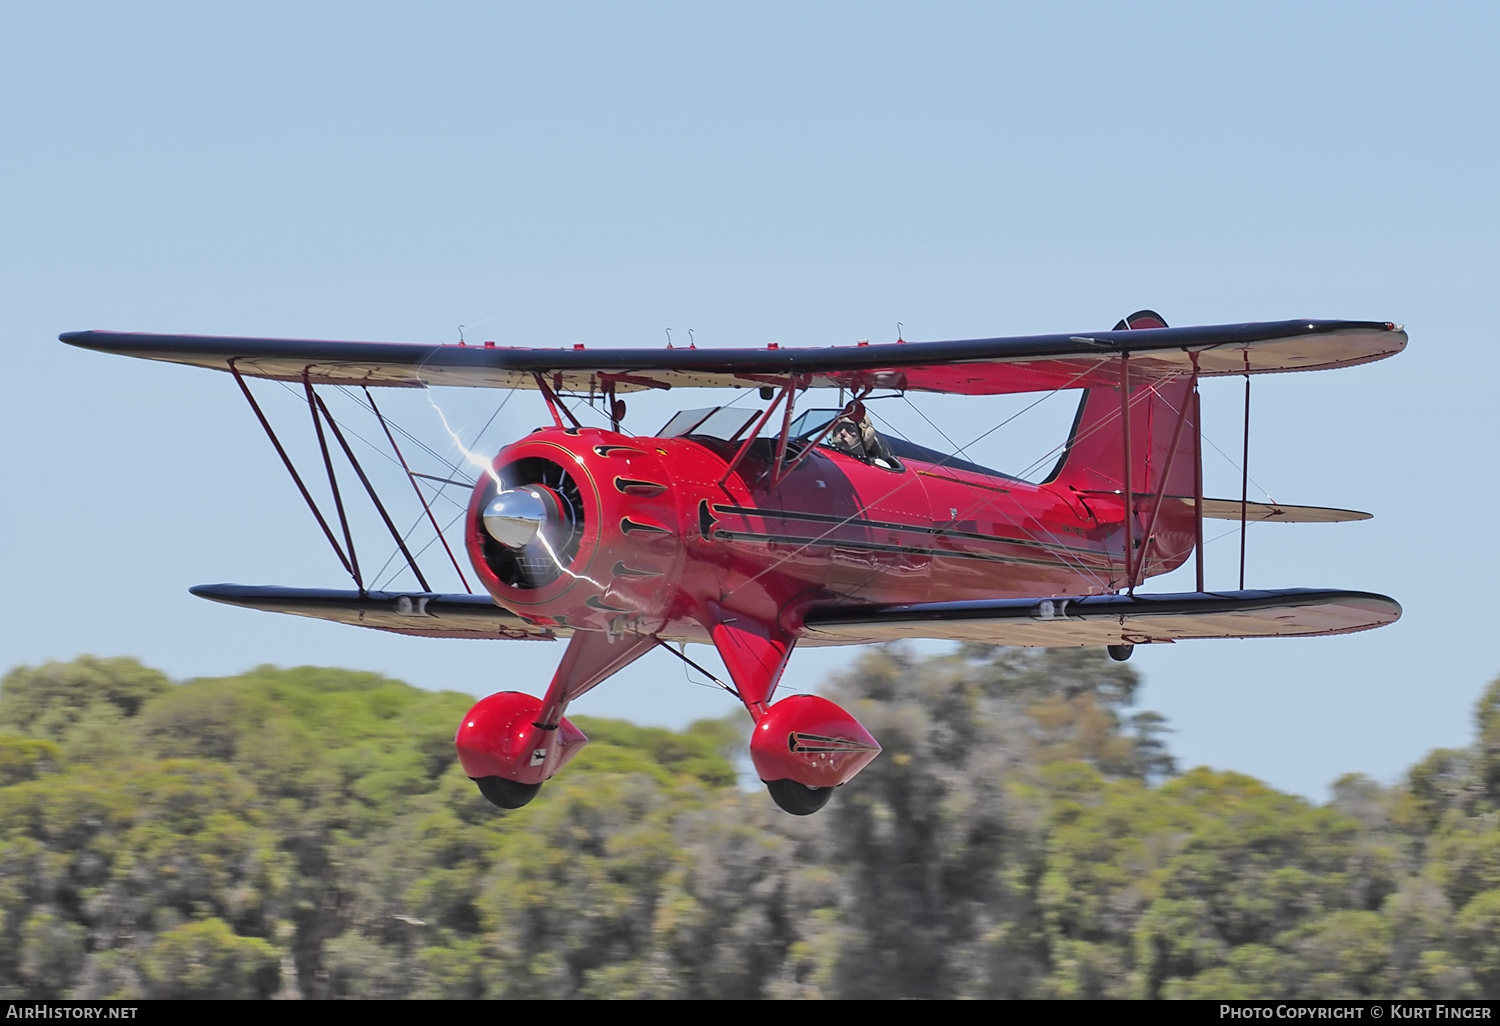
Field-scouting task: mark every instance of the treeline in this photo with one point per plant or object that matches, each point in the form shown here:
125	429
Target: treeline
308	833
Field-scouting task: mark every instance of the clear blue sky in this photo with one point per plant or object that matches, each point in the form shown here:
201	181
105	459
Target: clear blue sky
810	174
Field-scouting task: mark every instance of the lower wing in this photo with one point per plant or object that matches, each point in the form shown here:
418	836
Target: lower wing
421	614
1045	623
1111	619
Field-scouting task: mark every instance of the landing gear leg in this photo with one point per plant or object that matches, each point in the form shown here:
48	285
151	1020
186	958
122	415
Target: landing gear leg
803	746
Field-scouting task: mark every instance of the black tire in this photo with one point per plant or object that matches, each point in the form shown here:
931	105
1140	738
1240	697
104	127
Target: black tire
798	799
1119	653
507	794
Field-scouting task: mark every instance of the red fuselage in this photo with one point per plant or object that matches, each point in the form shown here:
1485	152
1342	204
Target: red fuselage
664	543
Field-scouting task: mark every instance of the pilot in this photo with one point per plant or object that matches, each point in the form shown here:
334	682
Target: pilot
846	437
857	437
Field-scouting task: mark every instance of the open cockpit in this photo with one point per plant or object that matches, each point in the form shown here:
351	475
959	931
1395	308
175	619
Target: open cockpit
848	430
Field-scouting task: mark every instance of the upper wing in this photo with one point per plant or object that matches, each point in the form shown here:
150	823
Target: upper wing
984	366
419	613
1111	619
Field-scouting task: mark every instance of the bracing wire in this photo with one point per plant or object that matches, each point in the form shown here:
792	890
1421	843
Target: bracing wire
452	468
688	662
438	491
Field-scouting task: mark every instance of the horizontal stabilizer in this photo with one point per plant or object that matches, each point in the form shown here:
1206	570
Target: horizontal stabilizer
980	366
1111	619
1261	512
1275	512
418	613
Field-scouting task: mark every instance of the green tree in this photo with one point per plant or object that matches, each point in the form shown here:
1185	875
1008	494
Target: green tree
207	959
81	703
1024	833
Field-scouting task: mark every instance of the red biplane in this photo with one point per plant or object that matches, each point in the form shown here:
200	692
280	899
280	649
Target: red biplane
756	530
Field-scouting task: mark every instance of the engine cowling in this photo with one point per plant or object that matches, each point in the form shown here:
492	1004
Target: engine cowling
578	528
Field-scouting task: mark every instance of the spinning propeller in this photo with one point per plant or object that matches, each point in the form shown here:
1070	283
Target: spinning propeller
537	522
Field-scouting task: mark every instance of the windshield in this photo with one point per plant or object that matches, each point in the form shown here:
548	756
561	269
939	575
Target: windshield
724	422
811	422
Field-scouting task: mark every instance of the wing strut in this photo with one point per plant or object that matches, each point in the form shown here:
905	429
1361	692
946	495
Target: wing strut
1198	473
1161	492
751	435
786	420
370	490
1129	493
333	481
813	441
319	412
1245	475
554	403
291	469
